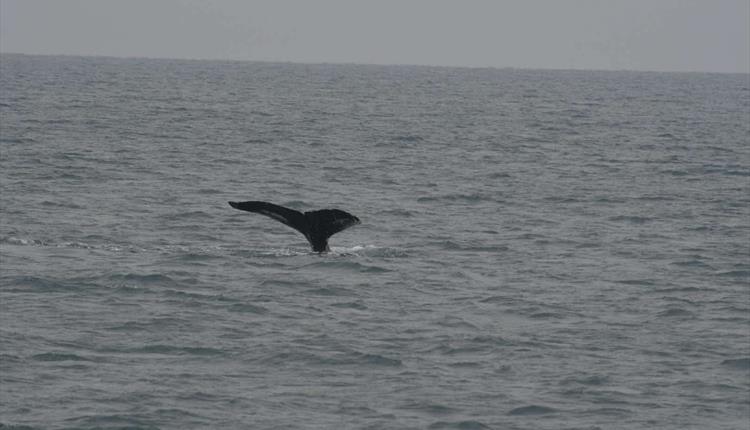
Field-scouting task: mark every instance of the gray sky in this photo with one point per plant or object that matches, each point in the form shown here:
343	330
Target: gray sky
663	35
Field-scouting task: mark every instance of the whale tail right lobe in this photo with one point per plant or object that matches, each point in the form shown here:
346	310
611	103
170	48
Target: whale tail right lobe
325	223
317	226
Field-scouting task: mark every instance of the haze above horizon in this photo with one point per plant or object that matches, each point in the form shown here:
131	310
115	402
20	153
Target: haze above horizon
656	35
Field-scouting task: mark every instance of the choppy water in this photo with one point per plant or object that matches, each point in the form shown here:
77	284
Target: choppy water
538	249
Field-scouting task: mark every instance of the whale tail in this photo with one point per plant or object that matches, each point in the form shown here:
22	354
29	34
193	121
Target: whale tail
317	226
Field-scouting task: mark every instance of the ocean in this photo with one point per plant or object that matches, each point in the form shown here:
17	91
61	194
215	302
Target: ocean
539	249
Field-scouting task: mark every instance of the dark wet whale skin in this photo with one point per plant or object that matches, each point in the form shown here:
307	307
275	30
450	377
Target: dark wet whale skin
317	226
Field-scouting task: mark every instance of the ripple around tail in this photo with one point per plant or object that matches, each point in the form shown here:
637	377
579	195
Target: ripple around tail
369	251
111	247
272	253
349	266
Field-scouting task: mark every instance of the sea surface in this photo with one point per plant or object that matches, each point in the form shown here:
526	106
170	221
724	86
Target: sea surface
538	249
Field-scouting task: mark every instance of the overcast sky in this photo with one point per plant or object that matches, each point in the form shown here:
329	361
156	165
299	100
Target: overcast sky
663	35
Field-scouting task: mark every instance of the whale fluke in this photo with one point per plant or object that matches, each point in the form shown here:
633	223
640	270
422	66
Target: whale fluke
317	226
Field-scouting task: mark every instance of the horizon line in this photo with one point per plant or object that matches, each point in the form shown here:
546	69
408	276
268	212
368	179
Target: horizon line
353	63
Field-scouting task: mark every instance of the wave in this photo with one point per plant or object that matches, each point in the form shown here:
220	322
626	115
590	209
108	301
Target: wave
191	215
398	212
692	263
330	291
682	289
16	140
352	266
532	410
248	308
633	219
209	191
66	205
21	241
655	198
349	358
141	279
400	141
561	199
58	356
430	408
450	245
737	363
499	175
459	197
99	243
356	305
119	421
409	138
676	313
376	360
459	425
172	350
253	254
743	274
196	258
35	284
113	247
369	251
595	380
675	172
736	172
642	282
